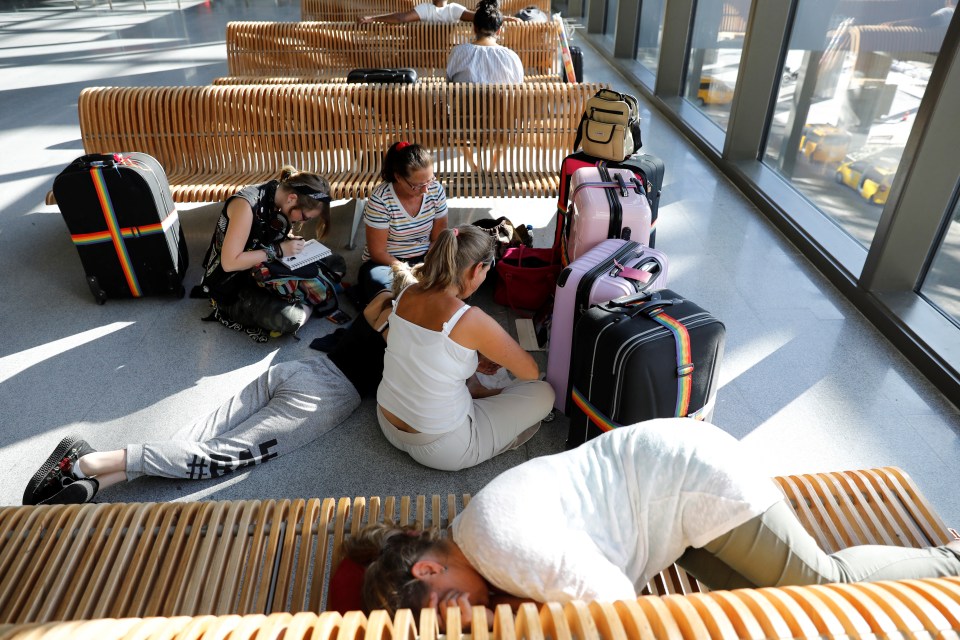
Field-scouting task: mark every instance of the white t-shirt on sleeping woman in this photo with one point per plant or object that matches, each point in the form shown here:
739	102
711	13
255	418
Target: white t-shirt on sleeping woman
598	522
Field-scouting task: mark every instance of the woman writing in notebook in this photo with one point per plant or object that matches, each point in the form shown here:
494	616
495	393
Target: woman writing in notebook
255	229
429	403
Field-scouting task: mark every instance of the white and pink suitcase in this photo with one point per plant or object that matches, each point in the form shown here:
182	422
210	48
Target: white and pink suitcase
606	203
612	269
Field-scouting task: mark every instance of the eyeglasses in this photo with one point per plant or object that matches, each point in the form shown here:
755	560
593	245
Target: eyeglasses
422	185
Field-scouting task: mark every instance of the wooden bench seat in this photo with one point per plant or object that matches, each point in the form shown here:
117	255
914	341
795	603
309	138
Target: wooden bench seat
273	556
326	50
488	140
351	10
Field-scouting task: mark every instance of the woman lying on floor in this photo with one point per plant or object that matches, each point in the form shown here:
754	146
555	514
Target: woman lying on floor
290	405
598	522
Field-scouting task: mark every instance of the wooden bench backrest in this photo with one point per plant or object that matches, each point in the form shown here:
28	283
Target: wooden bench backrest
139	560
340	79
329	49
353	9
238	135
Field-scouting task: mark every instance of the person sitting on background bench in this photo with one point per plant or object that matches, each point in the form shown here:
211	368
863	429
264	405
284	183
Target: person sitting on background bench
600	521
284	409
483	61
436	11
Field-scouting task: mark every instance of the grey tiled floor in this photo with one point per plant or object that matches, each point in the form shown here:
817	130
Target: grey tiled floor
807	383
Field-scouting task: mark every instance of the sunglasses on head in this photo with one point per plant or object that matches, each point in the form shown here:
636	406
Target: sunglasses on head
305	190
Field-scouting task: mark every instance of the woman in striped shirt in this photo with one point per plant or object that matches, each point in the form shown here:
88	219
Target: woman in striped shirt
403	216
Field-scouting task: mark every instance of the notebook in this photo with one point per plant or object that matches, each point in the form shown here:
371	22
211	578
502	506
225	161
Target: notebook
312	251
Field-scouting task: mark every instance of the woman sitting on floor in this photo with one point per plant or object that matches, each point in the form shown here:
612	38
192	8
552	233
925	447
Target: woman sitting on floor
599	521
290	405
429	403
402	216
256	228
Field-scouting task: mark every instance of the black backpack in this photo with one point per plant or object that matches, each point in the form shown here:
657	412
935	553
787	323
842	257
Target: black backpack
532	14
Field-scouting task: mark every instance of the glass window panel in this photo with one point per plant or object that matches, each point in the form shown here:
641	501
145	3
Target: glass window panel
610	17
716	47
941	286
651	34
852	81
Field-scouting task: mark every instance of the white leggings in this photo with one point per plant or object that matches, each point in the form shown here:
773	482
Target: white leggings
496	424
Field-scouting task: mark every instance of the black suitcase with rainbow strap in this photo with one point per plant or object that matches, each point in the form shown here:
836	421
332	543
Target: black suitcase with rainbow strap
653	355
122	219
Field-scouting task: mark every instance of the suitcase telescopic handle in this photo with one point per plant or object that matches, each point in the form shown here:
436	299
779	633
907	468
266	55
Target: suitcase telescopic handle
635	184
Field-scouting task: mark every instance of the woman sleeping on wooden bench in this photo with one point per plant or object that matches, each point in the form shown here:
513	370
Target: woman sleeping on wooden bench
287	407
599	521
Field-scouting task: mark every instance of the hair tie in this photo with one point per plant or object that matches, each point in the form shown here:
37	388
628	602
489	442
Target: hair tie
402	144
456	232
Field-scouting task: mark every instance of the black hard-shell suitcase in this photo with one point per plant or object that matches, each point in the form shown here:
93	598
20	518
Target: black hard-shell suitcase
387	76
642	357
648	167
576	56
122	219
651	169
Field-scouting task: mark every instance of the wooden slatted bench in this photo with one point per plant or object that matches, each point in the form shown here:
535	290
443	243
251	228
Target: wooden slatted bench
338	79
326	50
258	557
488	140
343	10
915	609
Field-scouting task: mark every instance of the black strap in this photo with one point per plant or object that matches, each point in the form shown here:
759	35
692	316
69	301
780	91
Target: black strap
616	208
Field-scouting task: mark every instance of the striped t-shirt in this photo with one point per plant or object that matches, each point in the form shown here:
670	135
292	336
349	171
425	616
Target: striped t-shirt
408	237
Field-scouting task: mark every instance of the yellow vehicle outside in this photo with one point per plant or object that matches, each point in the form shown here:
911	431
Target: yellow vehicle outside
714	91
824	143
870	177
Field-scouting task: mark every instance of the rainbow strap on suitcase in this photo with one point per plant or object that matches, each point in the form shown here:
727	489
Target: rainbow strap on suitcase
684	377
116	234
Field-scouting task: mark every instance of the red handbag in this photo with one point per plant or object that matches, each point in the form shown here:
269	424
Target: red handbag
525	277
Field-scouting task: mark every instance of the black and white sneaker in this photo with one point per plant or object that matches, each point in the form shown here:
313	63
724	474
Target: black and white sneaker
54	475
74	492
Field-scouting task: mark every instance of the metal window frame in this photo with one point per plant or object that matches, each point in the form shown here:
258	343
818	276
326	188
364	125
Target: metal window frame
882	282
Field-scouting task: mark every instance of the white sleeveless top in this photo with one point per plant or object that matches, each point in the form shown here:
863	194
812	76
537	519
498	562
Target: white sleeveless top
425	374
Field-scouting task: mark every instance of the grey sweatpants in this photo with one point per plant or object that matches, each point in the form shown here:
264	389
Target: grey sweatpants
774	550
288	406
499	423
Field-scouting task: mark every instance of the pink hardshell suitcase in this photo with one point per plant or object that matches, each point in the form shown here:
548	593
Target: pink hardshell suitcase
606	203
612	269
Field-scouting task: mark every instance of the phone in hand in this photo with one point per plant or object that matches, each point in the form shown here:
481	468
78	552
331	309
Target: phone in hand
339	317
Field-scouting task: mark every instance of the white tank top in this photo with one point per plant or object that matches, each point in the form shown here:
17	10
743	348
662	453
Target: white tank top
425	373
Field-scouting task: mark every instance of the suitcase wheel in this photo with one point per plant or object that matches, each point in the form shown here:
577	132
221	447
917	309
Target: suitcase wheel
175	284
98	294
